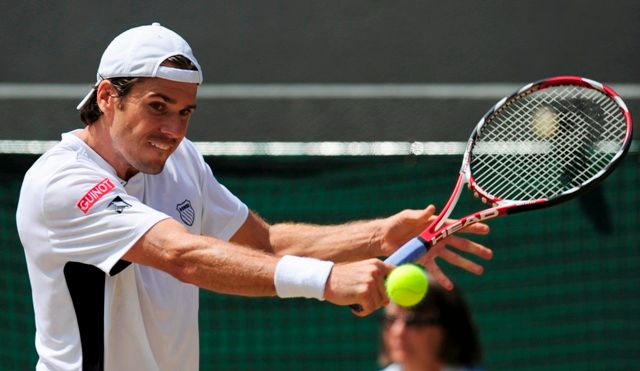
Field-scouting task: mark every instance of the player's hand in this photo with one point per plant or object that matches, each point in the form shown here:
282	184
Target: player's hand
401	227
359	283
444	250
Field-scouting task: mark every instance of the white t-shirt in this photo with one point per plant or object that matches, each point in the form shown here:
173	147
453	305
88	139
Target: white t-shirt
76	219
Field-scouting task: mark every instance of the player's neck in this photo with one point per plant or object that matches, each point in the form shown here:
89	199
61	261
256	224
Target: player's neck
94	136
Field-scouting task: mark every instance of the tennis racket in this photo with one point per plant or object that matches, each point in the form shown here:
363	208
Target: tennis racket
544	144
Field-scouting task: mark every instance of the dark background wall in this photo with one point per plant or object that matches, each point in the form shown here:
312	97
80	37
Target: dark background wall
372	42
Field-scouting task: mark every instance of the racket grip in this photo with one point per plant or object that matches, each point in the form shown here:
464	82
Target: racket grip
407	253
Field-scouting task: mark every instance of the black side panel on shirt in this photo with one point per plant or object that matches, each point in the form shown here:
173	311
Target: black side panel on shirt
86	286
119	267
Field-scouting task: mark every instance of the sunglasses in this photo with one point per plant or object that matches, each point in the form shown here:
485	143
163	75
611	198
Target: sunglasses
411	320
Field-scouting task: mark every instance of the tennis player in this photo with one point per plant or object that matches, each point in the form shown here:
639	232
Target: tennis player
122	222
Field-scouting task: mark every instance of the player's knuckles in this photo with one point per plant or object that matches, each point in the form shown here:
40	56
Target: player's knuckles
375	269
376	300
372	293
370	285
363	287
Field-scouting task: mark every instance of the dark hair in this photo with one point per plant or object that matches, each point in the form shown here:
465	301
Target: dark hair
90	112
460	345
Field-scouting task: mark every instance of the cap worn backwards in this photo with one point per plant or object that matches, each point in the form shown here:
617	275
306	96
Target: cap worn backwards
138	52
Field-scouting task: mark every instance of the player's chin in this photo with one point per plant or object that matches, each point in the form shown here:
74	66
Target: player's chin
151	167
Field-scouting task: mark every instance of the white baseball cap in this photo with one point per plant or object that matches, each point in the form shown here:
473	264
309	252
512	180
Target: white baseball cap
138	52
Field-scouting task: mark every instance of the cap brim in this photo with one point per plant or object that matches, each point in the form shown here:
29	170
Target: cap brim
85	99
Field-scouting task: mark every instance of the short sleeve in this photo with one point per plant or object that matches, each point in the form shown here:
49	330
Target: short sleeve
90	217
223	213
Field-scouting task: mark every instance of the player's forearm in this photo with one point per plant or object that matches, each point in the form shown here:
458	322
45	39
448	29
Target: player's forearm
339	243
234	269
227	268
206	262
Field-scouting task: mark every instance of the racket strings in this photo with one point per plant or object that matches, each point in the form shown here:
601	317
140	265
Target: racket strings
542	143
580	134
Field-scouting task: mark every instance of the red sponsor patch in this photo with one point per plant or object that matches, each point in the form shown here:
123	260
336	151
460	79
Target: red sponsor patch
102	188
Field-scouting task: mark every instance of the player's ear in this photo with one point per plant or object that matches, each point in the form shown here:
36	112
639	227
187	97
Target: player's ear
106	96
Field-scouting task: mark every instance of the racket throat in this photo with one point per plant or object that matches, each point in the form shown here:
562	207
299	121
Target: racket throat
432	238
437	224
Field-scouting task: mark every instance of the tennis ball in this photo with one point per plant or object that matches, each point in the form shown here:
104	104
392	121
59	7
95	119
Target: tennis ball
407	284
544	122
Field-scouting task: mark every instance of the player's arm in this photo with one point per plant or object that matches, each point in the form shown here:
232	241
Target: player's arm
340	243
205	261
360	240
231	268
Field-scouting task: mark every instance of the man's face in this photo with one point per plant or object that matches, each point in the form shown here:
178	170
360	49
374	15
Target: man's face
411	342
149	124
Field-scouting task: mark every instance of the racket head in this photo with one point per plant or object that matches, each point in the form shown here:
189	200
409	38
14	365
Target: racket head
549	141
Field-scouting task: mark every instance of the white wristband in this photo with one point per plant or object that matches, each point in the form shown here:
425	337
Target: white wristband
301	277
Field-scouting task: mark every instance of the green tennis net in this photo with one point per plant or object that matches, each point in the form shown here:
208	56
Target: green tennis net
562	292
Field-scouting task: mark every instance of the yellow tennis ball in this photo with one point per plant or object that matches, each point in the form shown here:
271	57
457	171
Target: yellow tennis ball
407	284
